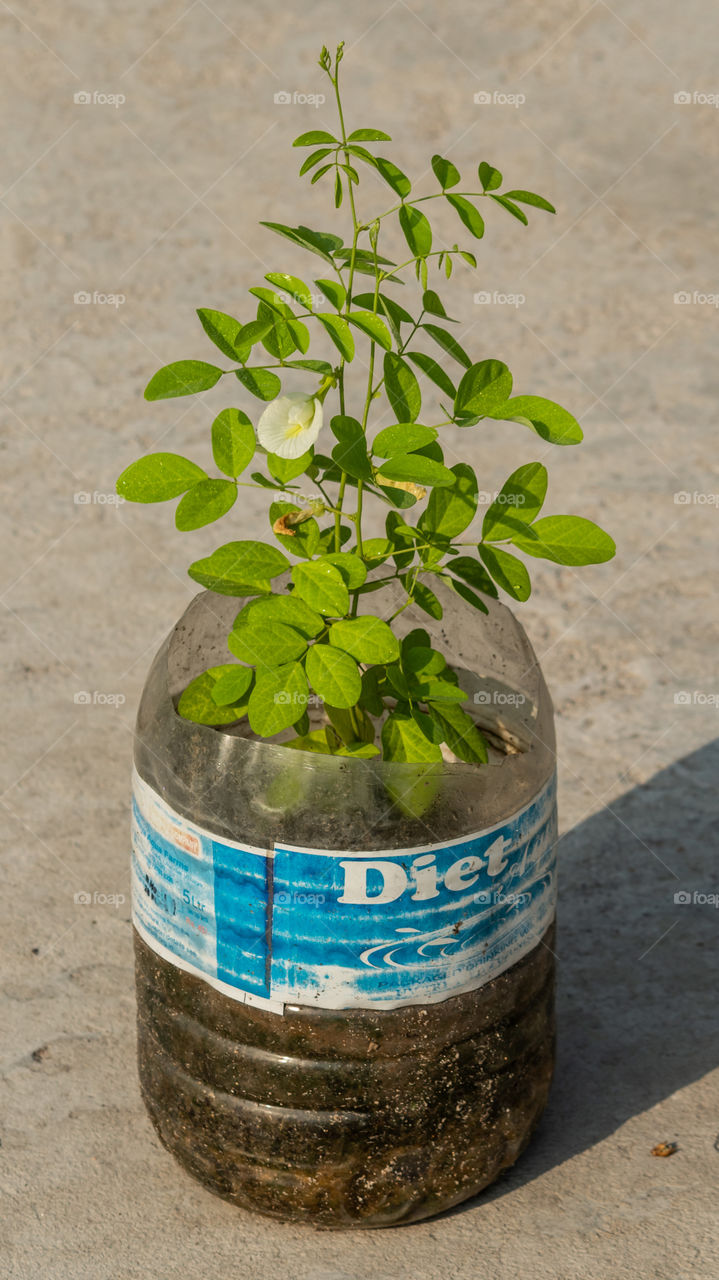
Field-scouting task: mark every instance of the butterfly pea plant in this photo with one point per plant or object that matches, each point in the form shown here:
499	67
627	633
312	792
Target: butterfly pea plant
306	634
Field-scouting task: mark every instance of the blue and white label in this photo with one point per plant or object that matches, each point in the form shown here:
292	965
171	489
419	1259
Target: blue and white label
339	930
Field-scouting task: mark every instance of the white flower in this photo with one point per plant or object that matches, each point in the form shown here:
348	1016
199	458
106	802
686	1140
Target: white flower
290	425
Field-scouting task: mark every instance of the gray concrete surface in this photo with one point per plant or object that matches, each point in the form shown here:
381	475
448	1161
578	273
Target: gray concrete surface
158	199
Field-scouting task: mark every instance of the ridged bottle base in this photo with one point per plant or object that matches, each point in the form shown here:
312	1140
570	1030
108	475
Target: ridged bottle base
353	1118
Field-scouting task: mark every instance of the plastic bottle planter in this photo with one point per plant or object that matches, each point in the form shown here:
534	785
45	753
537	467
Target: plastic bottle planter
345	967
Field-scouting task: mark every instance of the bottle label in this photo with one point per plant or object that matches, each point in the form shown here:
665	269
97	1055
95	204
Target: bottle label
339	930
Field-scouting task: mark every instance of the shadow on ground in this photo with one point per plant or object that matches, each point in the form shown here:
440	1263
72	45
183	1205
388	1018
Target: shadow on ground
636	999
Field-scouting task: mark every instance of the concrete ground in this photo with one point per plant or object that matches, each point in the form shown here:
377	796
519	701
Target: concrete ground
157	198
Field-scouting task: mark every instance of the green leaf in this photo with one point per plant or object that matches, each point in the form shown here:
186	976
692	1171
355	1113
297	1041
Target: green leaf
367	639
461	733
448	344
305	538
416	468
403	740
323	243
313	159
340	333
394	177
470	216
183	378
567	540
197	704
508	572
520	499
333	291
351	452
471	571
261	382
288	609
158	477
233	686
239	568
528	197
233	441
321	173
278	340
483	387
314	366
204	503
265	643
450	511
292	285
489	177
402	388
368	135
426	600
321	741
225	332
322	587
462	589
373	326
422	661
514	209
333	675
433	371
445	172
405	437
432	304
353	570
286	469
313	138
416	228
549	420
278	700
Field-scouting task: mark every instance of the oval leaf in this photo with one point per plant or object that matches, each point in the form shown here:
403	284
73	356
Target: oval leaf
261	382
402	388
240	568
470	216
373	326
278	700
445	172
205	502
519	500
183	378
567	540
367	639
508	572
340	333
416	228
322	587
233	441
549	420
450	511
264	643
333	675
417	468
484	387
158	477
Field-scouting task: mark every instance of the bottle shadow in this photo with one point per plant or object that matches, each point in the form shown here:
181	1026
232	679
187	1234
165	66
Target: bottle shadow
636	996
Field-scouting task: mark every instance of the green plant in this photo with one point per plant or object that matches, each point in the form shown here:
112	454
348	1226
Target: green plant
309	635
